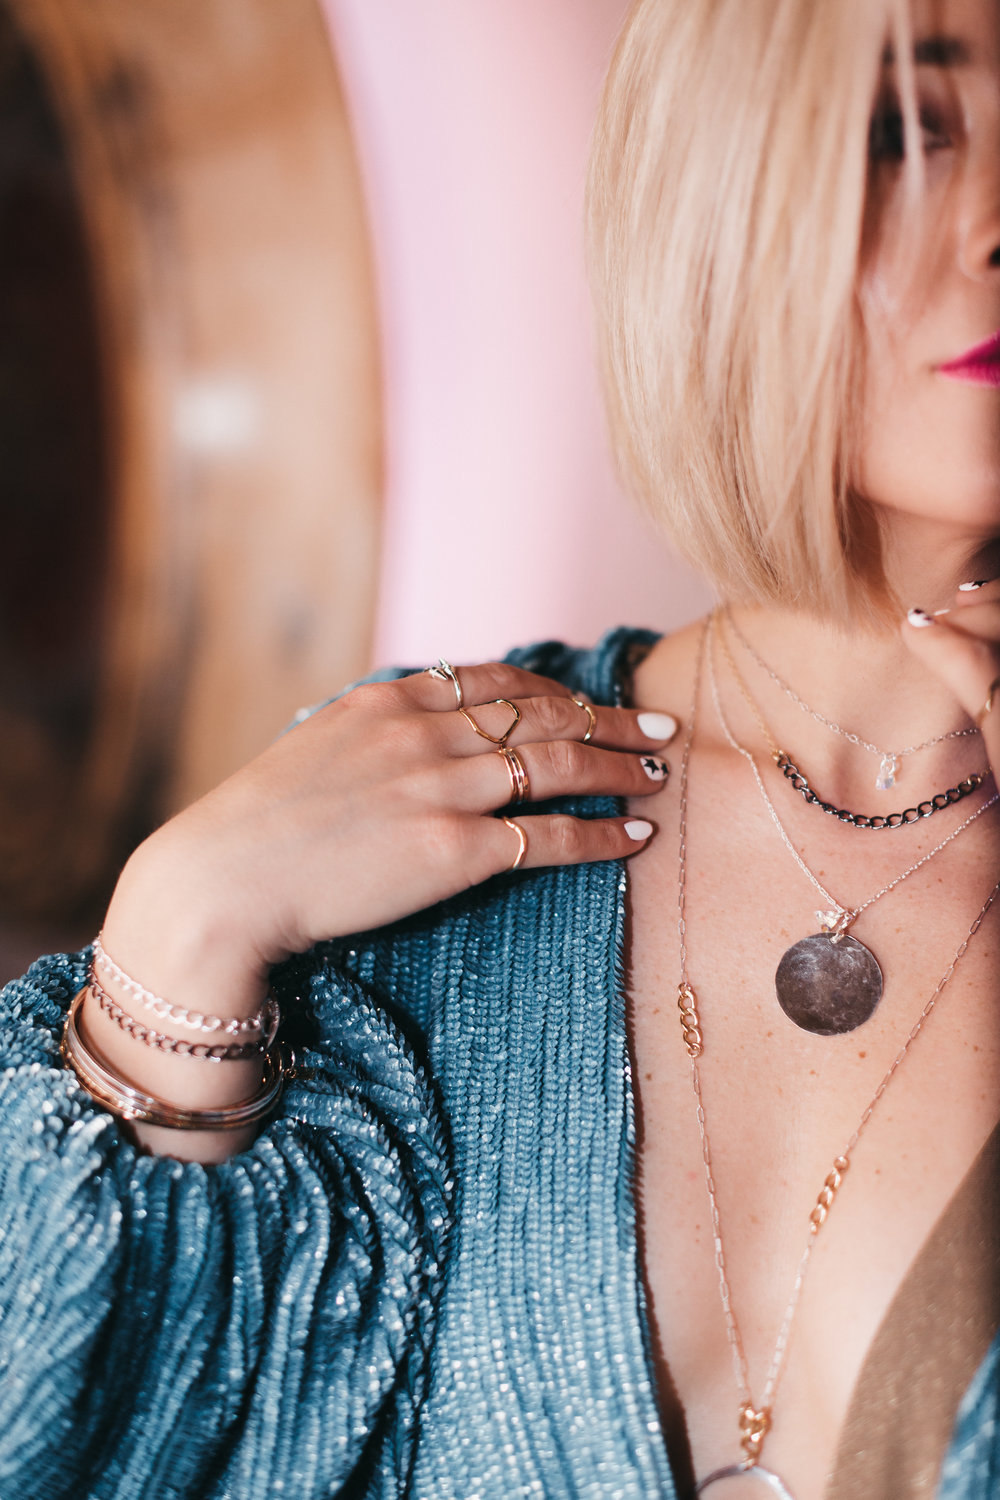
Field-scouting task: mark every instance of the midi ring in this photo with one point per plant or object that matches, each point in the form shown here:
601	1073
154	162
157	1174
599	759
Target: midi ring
591	718
520	785
445	672
522	841
988	705
500	740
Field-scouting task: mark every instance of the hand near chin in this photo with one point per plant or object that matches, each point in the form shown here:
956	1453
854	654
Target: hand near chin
961	645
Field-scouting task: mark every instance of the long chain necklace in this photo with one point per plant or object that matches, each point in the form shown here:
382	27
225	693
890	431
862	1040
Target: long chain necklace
830	982
794	776
754	1422
889	759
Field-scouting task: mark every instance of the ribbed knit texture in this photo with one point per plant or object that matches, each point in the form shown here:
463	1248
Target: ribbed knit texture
422	1280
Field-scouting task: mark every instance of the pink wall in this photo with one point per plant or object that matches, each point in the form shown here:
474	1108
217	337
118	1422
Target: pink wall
504	519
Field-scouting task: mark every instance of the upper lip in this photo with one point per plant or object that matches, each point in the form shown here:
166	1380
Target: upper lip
988	352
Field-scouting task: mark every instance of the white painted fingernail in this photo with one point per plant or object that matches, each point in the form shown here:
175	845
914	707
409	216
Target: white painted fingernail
656	770
638	829
918	618
970	588
660	727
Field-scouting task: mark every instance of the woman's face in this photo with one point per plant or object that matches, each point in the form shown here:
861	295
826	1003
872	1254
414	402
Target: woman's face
930	280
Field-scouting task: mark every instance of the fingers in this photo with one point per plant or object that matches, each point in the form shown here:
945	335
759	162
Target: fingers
526	721
479	684
552	768
547	709
562	840
962	647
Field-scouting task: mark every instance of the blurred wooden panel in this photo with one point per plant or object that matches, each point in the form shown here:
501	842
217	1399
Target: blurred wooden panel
211	562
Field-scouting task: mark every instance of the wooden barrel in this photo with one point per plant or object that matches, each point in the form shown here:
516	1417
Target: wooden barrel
190	409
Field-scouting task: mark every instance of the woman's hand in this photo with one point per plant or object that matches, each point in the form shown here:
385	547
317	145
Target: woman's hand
377	806
961	645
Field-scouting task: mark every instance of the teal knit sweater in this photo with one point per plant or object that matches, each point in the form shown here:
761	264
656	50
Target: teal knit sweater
423	1278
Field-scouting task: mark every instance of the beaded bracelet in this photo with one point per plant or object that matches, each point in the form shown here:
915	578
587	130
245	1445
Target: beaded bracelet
123	1099
263	1022
182	1046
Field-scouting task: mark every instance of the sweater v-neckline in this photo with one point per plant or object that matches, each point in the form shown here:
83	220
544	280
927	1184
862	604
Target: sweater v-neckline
961	1315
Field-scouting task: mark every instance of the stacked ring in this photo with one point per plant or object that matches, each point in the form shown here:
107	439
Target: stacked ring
445	672
520	786
591	718
500	740
522	840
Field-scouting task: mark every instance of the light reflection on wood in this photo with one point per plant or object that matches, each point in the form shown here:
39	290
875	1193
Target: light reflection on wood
234	297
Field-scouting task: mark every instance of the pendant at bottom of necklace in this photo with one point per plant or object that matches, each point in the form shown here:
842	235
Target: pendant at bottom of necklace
749	1471
829	983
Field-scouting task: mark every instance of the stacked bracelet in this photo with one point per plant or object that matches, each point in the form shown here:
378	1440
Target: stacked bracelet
126	1101
181	1046
263	1022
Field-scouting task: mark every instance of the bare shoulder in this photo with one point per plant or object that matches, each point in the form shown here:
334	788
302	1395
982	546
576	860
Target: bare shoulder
664	678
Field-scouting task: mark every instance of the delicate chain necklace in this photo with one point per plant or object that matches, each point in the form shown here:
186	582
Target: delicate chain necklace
890	759
755	1421
830	982
791	772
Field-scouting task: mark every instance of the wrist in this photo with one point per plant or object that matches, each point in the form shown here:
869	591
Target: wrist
179	931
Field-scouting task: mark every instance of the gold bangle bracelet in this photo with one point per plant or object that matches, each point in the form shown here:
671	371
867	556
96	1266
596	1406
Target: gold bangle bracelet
123	1099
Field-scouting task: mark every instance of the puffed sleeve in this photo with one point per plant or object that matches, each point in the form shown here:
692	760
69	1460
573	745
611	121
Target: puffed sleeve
255	1329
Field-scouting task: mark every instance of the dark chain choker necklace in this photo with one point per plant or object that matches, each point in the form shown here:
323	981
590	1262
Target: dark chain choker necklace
794	776
925	809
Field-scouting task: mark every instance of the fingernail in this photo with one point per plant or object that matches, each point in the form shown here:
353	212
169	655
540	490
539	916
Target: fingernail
656	770
919	618
638	829
970	588
661	727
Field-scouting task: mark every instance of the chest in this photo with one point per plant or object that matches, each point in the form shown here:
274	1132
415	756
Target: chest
780	1105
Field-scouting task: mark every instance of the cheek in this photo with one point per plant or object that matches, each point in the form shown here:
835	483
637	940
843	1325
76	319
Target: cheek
929	446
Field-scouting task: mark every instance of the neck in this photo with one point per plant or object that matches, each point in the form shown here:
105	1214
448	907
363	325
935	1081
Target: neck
865	678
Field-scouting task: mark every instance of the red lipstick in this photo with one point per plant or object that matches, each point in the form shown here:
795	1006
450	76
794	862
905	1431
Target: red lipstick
979	365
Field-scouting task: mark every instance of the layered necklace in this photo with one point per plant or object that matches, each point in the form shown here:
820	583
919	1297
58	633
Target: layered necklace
829	982
755	1420
889	760
925	809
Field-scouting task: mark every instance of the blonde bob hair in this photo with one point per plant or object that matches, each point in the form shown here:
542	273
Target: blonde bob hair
726	208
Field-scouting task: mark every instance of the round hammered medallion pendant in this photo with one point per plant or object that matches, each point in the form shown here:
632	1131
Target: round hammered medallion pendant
828	984
732	1471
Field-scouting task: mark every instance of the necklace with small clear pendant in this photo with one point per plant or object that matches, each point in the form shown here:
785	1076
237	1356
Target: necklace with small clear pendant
889	760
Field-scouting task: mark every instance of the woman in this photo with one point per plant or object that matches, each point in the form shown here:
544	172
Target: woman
507	1233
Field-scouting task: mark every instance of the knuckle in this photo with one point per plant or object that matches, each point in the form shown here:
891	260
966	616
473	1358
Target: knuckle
569	839
552	716
371	697
446	839
563	759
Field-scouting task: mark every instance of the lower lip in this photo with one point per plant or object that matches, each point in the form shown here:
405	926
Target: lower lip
986	373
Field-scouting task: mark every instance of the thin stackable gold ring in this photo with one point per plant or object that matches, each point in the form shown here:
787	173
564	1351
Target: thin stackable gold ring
988	705
445	672
591	719
522	840
500	740
520	785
